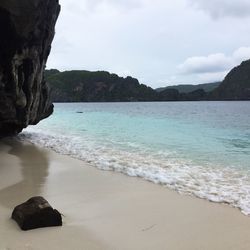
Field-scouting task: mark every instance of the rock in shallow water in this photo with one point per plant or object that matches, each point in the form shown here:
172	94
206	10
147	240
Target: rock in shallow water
26	31
36	213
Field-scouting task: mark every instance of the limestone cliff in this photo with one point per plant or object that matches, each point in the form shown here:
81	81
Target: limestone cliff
26	31
236	85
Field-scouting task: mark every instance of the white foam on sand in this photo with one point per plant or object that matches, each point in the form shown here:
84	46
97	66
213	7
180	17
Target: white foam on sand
225	185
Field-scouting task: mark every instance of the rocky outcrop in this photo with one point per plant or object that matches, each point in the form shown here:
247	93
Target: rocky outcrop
26	30
236	85
36	213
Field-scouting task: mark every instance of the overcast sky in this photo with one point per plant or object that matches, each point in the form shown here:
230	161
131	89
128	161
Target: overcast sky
160	42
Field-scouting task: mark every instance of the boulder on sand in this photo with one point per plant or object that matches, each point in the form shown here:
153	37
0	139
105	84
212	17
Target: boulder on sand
36	213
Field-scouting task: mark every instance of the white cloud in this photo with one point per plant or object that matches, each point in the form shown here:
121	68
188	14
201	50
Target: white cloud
223	8
206	64
124	72
212	77
242	54
144	38
214	67
123	4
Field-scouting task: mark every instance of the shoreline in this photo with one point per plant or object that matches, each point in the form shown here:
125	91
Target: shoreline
108	210
149	174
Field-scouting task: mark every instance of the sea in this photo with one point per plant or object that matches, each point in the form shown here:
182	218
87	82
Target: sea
196	148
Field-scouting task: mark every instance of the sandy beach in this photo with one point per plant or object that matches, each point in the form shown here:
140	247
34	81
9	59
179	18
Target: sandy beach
107	210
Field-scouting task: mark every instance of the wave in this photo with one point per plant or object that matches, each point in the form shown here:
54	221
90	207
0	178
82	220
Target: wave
214	183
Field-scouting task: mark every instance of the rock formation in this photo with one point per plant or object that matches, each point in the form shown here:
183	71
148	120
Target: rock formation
36	213
27	30
236	85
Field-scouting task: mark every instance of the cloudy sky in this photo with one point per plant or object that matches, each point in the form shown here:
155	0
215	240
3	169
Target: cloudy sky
160	42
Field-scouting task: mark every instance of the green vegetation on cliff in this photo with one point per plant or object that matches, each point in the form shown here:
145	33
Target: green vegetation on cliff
101	86
236	85
187	88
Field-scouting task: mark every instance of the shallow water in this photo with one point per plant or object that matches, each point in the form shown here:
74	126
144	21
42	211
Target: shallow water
198	148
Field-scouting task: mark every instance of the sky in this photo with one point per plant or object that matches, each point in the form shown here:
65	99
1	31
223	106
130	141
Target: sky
159	42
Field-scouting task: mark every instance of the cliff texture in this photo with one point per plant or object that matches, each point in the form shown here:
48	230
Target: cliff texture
26	31
236	85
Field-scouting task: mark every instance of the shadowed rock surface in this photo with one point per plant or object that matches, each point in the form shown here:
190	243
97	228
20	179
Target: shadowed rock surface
236	85
26	30
36	213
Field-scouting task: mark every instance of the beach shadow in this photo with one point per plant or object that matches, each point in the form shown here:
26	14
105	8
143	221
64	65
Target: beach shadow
34	165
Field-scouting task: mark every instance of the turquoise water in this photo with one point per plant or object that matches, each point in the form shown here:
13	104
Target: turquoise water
197	148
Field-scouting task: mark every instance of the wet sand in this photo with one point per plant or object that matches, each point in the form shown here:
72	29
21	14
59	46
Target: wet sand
107	210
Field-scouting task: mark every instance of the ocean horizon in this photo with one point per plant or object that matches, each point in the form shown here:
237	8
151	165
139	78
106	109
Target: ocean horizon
195	148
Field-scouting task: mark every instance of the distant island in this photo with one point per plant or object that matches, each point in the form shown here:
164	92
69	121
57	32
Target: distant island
102	86
187	88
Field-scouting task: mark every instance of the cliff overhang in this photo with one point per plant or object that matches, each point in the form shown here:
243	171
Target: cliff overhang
27	29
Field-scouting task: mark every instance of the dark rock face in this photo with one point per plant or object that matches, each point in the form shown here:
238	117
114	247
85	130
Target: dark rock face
26	30
236	85
36	213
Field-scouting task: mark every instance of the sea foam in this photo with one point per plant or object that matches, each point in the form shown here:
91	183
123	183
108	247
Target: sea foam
214	183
